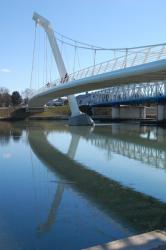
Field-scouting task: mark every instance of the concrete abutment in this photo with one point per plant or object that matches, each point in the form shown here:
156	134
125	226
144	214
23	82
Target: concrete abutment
161	112
128	112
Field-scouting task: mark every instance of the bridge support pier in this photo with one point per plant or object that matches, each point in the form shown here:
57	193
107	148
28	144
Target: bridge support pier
116	112
77	117
81	120
161	112
128	112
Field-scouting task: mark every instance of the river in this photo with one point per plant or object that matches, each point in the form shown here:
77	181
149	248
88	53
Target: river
68	188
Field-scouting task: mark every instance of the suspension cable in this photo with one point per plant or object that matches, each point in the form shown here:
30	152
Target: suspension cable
38	60
94	58
87	46
50	67
78	42
78	59
33	57
46	59
62	44
75	51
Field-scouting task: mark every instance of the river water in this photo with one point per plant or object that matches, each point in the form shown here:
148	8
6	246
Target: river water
68	188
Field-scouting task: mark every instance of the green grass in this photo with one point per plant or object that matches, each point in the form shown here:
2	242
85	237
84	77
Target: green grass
54	111
18	112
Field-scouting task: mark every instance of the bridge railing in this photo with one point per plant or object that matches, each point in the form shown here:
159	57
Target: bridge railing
131	57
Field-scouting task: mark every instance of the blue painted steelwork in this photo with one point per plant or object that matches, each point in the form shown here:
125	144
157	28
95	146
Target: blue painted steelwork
130	94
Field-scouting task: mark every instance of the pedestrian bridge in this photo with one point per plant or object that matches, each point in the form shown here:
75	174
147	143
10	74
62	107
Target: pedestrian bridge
147	72
137	65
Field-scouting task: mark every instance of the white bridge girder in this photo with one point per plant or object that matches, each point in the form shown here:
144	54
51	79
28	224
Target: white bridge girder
149	72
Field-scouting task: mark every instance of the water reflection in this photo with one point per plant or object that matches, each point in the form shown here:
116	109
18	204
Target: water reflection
146	146
47	225
89	185
132	208
141	143
8	131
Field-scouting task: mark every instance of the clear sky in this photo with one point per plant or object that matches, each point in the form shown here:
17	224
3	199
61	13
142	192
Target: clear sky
107	23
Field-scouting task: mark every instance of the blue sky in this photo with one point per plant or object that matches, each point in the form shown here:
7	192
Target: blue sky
107	23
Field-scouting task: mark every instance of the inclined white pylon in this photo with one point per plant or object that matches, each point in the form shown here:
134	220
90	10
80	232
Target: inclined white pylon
81	118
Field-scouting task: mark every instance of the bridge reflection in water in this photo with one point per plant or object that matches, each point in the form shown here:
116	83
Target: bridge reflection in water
142	149
137	210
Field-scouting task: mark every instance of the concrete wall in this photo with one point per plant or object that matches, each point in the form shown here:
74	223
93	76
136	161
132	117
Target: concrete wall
161	112
121	112
116	112
102	111
128	112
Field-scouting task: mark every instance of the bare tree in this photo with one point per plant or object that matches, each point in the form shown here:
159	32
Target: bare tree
5	97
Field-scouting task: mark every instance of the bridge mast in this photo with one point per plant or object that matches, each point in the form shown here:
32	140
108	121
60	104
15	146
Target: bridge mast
77	117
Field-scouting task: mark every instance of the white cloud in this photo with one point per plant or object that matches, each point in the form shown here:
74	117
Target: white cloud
5	70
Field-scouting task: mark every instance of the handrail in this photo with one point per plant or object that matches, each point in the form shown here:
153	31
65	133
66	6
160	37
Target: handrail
131	58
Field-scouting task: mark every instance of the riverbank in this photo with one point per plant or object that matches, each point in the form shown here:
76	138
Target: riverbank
59	113
21	113
12	113
51	113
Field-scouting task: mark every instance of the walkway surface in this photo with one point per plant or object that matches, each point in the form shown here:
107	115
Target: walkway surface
155	240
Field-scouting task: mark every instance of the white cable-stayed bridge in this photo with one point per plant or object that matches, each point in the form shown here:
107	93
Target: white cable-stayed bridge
142	67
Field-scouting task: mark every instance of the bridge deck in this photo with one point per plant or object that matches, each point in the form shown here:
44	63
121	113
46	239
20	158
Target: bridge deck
153	71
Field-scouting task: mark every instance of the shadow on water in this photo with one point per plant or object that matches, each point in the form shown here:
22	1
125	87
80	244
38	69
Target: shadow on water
136	210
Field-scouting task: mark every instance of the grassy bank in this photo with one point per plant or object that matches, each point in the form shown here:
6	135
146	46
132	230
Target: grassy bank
12	113
15	113
53	112
5	112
